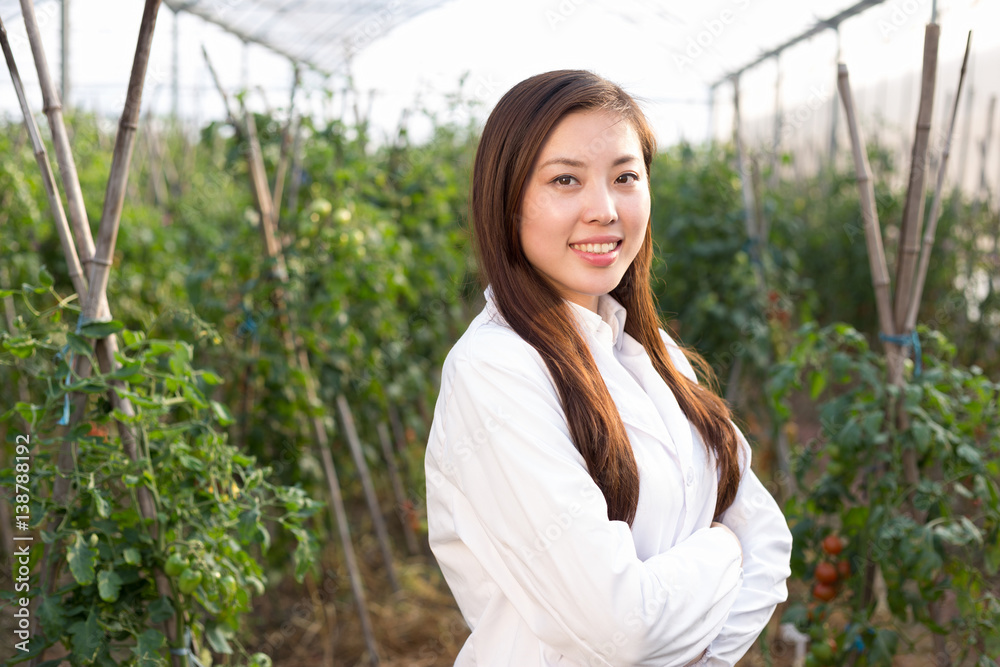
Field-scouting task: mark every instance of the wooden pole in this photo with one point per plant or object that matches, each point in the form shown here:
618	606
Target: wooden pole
114	195
866	191
913	305
286	145
48	180
984	152
381	533
963	155
913	211
403	506
65	59
834	107
60	142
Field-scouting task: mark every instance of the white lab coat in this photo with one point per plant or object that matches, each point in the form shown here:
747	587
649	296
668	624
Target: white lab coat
521	532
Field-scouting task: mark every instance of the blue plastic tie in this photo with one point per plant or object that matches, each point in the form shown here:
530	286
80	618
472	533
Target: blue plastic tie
184	650
908	340
248	325
68	355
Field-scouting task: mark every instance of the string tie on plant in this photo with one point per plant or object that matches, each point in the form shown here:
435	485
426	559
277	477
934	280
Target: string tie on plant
907	340
67	354
184	650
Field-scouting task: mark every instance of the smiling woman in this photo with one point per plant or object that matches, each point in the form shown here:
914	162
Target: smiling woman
589	502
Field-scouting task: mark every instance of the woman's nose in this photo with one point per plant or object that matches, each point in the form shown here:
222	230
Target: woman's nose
599	205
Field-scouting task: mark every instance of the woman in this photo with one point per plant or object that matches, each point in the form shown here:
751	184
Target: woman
589	502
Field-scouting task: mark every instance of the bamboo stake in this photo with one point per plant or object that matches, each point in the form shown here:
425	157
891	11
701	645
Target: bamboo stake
913	306
879	274
114	200
984	151
913	210
403	506
286	145
369	489
156	174
48	179
757	232
873	233
114	197
299	358
964	150
52	107
398	432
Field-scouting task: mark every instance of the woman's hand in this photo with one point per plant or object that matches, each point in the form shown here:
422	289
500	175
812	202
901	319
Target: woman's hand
716	524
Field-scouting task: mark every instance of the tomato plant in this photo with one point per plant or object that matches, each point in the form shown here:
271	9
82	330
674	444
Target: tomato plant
109	605
926	540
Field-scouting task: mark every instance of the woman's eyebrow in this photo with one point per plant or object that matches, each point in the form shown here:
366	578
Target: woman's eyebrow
578	164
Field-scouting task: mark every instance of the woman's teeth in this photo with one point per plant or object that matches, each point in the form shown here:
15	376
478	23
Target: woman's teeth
597	248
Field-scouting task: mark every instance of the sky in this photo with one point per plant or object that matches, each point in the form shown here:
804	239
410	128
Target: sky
667	58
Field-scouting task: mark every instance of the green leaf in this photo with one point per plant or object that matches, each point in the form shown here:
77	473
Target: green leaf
211	378
303	556
80	345
82	560
108	585
817	382
217	638
21	347
969	454
101	329
222	413
132	337
87	638
51	614
132	556
160	610
127	371
100	504
247	526
147	648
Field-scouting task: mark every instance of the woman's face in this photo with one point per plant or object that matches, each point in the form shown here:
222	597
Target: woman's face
586	205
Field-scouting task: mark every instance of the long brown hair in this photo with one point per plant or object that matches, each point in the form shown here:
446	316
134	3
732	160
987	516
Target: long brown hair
532	307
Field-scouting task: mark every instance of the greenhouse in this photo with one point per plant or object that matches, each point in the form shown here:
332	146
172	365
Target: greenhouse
443	332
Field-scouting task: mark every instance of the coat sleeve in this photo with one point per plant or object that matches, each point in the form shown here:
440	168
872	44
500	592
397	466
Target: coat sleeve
757	521
504	473
761	528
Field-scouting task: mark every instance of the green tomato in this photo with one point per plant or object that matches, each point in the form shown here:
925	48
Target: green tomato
189	581
175	565
822	652
228	585
93	539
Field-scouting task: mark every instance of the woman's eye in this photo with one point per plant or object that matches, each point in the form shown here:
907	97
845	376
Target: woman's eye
624	178
563	180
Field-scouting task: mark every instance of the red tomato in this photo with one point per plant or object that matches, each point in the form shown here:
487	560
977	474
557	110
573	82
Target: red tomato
826	573
833	545
824	592
844	569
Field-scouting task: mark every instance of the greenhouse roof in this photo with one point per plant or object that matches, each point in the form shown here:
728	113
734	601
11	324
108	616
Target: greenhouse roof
320	34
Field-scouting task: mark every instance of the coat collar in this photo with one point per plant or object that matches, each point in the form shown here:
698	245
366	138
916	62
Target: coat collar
623	362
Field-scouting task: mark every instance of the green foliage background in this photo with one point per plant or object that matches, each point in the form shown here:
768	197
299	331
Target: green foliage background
381	284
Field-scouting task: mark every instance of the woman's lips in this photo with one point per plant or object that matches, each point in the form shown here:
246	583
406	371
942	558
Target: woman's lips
598	254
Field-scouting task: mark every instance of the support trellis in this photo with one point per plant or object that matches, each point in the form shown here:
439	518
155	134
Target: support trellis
90	263
821	26
898	313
